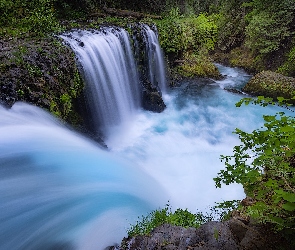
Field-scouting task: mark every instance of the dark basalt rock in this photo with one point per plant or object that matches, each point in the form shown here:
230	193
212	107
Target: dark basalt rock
42	72
153	101
235	91
151	97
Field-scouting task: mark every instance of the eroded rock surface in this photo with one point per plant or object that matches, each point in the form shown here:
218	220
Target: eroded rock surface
234	234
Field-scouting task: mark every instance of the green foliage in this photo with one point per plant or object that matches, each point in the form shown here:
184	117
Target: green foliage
198	65
270	23
231	23
265	33
180	217
36	17
223	209
178	33
265	165
288	68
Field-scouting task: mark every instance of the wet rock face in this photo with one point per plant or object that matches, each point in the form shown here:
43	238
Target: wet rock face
151	97
212	235
153	101
270	84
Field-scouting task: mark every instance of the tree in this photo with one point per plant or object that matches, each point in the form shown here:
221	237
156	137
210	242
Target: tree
270	24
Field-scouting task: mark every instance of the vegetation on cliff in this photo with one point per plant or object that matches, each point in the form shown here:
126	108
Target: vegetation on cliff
43	73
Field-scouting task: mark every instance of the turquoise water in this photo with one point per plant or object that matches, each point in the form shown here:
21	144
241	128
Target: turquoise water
60	190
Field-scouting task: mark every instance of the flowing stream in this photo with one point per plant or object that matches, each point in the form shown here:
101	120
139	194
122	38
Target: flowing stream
60	190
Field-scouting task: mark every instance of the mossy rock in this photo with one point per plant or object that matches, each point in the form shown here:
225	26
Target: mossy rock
271	84
200	65
42	72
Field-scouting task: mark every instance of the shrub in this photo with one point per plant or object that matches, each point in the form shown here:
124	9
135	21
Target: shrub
35	17
178	33
264	164
270	24
180	217
288	68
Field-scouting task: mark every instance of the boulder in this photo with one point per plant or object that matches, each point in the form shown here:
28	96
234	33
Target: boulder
271	84
229	235
153	101
151	97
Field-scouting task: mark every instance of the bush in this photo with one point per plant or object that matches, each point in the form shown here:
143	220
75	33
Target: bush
35	17
265	165
270	24
288	68
178	33
198	65
180	217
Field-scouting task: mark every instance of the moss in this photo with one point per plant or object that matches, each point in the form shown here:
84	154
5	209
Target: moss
42	72
197	65
242	57
271	84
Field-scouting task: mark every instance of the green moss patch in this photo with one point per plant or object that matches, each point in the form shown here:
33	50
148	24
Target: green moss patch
197	65
271	84
41	72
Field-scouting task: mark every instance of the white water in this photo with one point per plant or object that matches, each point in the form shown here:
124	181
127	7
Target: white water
108	67
181	147
155	59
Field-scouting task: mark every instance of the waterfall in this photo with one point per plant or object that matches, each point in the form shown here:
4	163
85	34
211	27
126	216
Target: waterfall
154	57
110	73
59	190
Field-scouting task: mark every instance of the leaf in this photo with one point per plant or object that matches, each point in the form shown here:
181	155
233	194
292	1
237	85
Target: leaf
281	99
287	129
289	206
277	220
280	191
289	197
269	118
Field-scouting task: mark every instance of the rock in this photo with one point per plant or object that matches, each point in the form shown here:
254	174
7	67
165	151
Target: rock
212	235
229	235
42	72
151	97
235	91
153	101
271	84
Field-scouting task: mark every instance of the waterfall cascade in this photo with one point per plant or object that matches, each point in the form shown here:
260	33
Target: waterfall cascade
106	57
154	58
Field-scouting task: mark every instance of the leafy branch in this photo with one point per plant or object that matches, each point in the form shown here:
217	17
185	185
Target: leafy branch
264	164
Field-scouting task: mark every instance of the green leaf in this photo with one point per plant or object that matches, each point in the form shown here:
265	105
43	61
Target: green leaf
289	197
277	220
287	129
281	99
269	118
289	206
